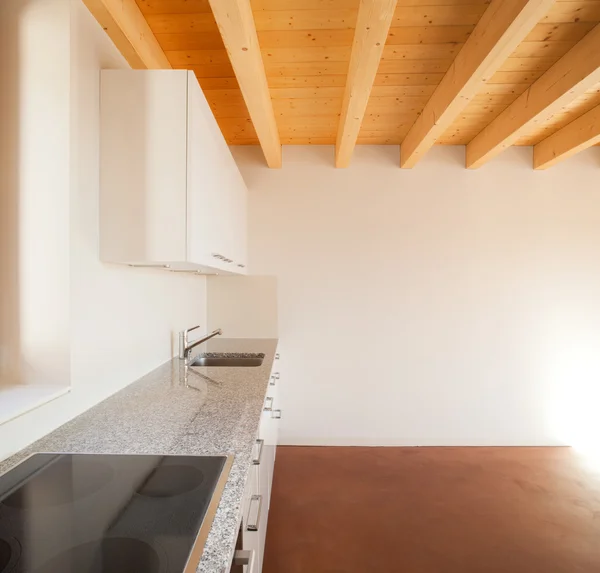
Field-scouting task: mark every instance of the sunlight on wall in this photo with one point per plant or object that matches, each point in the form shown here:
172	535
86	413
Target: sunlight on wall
574	368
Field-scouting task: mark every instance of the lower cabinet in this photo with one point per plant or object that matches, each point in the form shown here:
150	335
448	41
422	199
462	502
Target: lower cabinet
257	497
251	517
269	433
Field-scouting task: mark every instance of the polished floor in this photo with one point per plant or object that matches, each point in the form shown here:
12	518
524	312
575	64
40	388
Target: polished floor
433	510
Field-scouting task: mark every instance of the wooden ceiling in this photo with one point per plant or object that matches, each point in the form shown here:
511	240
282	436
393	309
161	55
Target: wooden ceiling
307	46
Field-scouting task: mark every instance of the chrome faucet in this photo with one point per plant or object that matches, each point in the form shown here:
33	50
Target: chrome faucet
185	349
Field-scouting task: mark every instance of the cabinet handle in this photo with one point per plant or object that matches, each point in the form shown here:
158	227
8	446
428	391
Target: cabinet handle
254	526
274	378
222	257
261	445
241	266
276	414
244	557
277	356
268	407
149	266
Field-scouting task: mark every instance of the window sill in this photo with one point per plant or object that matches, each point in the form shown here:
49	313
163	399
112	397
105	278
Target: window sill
20	399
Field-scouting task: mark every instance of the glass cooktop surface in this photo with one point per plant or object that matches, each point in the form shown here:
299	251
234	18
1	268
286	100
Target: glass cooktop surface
88	513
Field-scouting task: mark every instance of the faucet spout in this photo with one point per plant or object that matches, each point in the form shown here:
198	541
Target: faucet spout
185	349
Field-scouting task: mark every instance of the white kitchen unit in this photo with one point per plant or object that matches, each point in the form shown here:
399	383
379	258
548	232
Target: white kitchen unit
269	427
171	194
257	498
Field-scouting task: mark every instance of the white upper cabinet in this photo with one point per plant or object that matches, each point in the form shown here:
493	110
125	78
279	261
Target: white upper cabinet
171	193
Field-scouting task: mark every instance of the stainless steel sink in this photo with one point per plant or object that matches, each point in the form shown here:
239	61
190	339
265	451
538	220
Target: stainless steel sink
230	360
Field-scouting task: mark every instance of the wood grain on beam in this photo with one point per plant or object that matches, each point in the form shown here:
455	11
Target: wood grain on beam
501	29
571	139
576	72
236	24
372	26
126	26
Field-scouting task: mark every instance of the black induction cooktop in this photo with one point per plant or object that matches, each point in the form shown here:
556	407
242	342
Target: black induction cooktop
87	513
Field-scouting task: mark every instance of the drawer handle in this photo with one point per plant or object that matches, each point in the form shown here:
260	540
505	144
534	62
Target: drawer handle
268	404
277	356
244	557
241	266
254	526
274	378
261	445
149	265
276	414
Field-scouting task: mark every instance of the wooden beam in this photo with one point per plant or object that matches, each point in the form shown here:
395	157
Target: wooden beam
372	26
236	24
503	26
576	72
126	26
576	136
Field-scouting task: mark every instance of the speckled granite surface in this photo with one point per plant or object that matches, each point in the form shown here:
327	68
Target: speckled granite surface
215	411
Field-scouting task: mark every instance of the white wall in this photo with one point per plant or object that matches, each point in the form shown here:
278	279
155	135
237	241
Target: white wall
34	115
122	321
242	306
434	306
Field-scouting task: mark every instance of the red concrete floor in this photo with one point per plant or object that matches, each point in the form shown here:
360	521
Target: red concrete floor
433	510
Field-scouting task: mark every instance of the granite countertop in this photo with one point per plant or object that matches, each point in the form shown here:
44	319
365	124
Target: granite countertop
217	412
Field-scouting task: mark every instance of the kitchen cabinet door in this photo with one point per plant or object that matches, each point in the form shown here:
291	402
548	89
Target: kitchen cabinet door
264	513
143	166
202	208
274	391
220	183
239	222
251	539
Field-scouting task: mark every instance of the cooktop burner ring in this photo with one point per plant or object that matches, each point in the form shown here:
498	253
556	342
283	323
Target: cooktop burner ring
109	555
170	480
10	552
